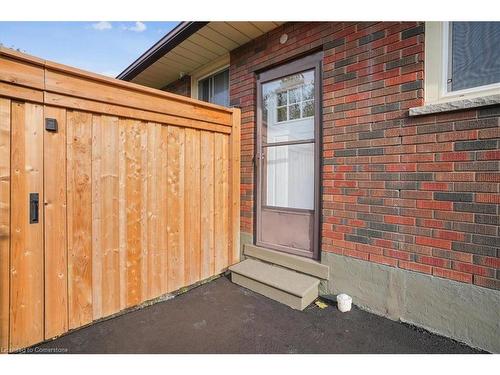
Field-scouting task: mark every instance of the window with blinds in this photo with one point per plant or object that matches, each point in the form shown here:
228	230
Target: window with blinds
215	88
474	55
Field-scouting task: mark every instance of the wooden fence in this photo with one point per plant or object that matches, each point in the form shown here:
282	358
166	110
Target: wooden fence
138	196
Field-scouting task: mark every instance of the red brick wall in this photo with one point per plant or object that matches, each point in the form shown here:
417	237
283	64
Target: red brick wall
182	86
418	193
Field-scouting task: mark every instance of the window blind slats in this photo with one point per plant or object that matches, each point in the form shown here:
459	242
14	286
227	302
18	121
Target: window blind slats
475	54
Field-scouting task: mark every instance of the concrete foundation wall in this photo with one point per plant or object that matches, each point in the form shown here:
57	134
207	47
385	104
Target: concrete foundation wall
464	312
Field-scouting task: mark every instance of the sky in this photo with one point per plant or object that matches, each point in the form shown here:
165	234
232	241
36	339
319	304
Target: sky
100	47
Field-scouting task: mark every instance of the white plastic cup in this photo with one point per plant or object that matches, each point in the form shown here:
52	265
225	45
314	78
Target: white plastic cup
344	302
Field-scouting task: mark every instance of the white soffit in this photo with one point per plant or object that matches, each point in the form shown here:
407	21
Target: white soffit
209	43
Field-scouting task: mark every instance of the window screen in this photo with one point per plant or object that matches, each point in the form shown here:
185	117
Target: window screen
475	54
215	89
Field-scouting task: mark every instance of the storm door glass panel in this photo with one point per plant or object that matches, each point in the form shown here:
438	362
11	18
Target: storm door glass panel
288	142
289	176
475	54
288	108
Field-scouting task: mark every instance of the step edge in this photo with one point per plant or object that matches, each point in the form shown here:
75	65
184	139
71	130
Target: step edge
297	302
315	282
322	270
286	290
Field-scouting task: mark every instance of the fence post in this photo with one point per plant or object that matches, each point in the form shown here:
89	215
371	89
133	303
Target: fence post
234	142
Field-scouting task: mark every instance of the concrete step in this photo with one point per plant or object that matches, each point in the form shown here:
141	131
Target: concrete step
283	285
294	262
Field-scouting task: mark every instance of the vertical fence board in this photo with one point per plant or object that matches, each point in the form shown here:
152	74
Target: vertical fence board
56	256
97	150
175	197
221	251
207	205
4	222
154	263
163	209
79	172
133	209
26	283
109	216
225	200
122	213
192	207
143	176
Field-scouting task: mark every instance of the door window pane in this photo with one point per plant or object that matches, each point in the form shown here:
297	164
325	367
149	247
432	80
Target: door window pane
289	174
294	95
294	111
282	115
308	91
288	108
308	108
475	54
282	98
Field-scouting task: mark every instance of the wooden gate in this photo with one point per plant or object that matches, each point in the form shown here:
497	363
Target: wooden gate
138	196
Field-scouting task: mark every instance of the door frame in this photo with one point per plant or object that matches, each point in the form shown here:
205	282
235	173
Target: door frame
310	62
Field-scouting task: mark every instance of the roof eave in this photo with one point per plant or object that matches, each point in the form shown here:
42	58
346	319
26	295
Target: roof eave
176	36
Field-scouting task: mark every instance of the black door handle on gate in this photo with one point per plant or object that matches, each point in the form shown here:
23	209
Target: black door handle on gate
33	208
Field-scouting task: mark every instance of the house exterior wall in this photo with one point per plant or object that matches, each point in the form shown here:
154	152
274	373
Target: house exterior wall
414	193
182	86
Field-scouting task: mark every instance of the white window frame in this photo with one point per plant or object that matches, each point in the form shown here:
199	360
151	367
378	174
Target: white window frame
437	48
